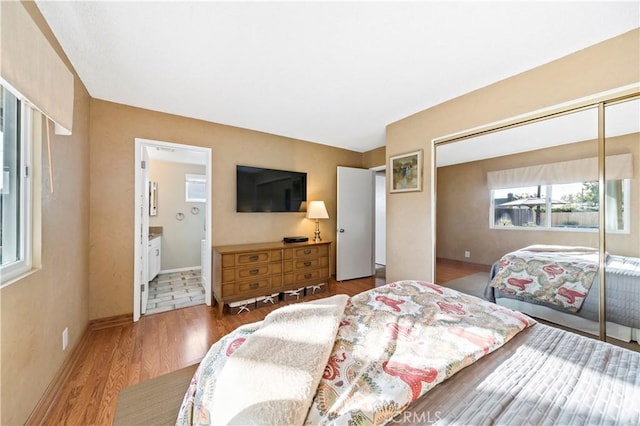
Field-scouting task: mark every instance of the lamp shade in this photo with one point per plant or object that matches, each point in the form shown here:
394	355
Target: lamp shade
317	210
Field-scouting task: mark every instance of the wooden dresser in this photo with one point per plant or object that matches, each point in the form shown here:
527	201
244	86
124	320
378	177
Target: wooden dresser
245	271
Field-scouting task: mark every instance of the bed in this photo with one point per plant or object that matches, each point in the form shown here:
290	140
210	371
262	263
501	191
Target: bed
560	284
398	353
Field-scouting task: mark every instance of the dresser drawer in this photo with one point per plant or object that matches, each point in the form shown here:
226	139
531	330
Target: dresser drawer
228	260
276	255
245	272
310	251
228	275
310	275
253	285
305	264
253	257
245	287
228	289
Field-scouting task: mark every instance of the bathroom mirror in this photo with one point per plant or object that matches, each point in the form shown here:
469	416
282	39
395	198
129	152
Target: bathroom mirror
153	198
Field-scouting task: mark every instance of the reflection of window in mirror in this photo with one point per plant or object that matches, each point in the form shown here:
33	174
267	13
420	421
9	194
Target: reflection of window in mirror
622	137
574	206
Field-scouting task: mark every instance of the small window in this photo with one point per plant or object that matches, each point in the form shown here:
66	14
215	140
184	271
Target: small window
195	188
15	188
572	206
577	206
519	207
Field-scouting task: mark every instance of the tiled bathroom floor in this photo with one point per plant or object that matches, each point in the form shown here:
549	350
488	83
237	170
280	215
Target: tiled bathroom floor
175	290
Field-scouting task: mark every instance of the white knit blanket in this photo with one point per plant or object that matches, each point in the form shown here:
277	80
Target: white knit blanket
272	377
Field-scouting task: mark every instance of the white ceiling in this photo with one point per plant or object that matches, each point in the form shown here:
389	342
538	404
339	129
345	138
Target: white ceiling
334	73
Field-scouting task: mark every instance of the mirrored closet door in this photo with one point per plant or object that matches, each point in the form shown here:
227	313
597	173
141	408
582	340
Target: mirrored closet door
520	207
622	218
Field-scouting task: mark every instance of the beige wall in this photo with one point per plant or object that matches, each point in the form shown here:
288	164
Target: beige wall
605	66
374	158
36	309
180	238
463	206
113	130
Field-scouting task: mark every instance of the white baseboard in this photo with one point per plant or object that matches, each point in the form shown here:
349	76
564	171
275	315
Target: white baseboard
188	268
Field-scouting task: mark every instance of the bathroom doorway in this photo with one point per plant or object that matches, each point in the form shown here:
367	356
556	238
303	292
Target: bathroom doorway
172	227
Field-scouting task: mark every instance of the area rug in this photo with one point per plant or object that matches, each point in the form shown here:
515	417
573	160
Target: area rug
471	284
155	401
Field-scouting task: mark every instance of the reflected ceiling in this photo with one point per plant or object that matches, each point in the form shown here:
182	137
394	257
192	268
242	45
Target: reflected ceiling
621	119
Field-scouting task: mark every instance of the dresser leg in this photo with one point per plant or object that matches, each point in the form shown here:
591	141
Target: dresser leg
220	309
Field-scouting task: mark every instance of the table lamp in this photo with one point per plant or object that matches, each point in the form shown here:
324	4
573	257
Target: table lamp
316	210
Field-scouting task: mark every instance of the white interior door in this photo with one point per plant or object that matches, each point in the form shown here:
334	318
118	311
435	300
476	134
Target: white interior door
381	218
355	221
144	232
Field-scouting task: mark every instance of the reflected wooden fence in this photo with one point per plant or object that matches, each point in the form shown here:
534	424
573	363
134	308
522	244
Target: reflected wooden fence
526	217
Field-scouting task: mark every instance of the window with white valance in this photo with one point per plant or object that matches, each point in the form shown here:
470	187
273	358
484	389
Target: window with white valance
31	68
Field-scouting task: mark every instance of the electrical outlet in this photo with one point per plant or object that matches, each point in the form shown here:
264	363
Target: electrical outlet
65	338
467	254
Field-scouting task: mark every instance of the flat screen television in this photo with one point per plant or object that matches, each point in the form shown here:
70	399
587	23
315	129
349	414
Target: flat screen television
267	190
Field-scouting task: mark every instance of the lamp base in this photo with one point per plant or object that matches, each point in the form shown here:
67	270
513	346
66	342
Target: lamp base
316	235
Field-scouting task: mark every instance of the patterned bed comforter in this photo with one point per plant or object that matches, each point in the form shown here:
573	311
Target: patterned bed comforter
557	278
393	345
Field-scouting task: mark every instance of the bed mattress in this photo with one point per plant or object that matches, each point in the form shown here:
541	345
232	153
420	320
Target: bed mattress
543	375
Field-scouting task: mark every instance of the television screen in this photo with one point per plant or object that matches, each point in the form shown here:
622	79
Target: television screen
268	190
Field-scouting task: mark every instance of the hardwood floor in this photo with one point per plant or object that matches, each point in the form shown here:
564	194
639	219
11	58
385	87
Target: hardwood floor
116	357
121	356
447	270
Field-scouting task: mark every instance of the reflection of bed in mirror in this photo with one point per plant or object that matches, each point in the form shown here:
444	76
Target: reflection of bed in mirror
560	284
525	176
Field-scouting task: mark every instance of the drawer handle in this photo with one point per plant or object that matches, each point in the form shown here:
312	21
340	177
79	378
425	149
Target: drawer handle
307	276
254	271
307	251
253	258
254	285
307	263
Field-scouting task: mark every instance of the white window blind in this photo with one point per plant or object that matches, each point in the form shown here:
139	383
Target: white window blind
33	68
583	170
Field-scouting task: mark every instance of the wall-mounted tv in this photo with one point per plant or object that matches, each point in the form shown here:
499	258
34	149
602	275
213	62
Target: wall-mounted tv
267	190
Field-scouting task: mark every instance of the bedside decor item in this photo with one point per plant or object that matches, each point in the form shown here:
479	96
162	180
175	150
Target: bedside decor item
236	308
317	210
295	239
294	294
310	290
406	172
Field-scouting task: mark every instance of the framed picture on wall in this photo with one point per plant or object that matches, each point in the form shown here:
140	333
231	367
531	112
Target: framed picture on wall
406	172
